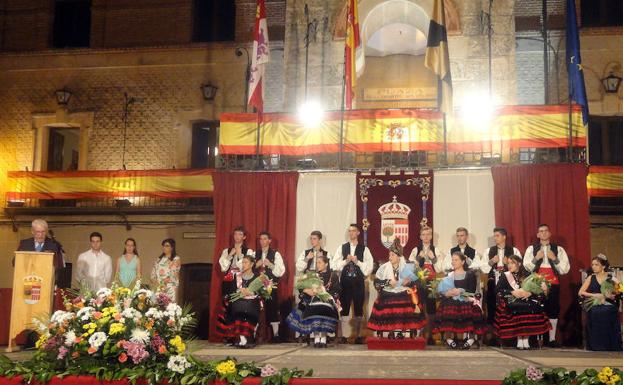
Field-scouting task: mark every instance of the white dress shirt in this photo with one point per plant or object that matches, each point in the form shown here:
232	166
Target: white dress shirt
561	262
339	262
94	269
278	268
438	264
474	264
225	261
301	261
485	267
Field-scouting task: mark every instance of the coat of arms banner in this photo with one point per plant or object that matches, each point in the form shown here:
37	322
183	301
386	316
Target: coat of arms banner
393	206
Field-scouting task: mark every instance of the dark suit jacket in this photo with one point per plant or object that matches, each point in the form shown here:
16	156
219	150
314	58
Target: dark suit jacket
49	245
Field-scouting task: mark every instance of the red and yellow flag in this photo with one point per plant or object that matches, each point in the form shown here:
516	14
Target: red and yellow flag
353	43
605	181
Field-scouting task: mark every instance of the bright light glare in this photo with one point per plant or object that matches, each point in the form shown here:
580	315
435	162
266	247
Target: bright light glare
310	113
477	110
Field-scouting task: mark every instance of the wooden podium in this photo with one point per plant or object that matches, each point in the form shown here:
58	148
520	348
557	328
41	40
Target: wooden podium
33	286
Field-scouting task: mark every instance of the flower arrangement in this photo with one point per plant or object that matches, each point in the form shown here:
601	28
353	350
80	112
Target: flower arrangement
122	333
608	288
561	376
261	285
534	283
312	281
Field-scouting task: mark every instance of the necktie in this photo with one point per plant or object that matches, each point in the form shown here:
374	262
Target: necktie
38	246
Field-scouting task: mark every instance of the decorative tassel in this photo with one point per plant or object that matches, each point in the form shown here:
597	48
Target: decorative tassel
415	299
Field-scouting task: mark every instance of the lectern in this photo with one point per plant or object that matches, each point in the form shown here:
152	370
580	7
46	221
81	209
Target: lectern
33	286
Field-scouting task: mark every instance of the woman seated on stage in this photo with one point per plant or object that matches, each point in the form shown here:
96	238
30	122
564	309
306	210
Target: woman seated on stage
459	311
519	313
242	315
604	327
317	312
397	309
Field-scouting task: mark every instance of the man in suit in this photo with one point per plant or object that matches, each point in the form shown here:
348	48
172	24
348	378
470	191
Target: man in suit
42	243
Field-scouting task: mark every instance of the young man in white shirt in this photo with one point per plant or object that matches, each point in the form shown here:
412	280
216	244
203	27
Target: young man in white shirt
94	267
270	262
306	261
231	260
551	261
473	257
354	262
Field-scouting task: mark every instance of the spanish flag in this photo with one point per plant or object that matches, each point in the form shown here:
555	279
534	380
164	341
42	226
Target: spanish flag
353	42
437	58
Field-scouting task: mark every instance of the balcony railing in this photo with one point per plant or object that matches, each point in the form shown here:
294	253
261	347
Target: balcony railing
406	138
110	191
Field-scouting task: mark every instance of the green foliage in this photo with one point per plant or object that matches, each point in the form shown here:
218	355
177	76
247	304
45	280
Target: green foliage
562	376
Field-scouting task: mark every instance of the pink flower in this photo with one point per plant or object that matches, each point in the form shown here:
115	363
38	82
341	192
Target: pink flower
268	370
136	351
163	300
62	352
156	343
534	374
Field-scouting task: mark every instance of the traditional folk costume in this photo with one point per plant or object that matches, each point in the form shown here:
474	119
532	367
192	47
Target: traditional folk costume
459	314
274	273
230	265
303	265
352	280
494	271
434	267
242	315
473	259
396	309
552	270
603	323
315	316
518	317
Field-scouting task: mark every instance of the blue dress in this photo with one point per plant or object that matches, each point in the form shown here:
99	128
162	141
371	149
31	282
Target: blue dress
603	326
127	270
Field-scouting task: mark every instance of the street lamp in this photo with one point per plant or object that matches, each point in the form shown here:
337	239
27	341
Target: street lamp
62	96
209	91
247	75
611	83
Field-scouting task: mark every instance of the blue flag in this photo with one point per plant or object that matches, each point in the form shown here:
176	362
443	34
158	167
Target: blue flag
577	90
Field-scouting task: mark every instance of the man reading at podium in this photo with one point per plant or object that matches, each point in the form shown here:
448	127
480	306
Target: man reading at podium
41	242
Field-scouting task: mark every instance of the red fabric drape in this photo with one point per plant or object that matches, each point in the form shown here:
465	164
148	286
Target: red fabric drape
258	201
528	195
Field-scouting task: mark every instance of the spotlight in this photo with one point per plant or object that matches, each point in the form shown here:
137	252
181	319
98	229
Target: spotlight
310	113
477	110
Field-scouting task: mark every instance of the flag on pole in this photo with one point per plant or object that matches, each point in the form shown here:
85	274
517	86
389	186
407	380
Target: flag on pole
577	89
260	57
437	58
353	44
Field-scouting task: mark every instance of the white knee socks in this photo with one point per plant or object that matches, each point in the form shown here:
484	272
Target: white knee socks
275	326
552	333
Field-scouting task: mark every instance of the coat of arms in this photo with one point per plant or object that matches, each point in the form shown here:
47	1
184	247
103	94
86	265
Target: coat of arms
32	289
394	222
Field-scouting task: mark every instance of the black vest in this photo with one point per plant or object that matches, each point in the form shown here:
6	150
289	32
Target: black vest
469	251
493	251
311	261
351	270
270	255
419	260
243	250
553	248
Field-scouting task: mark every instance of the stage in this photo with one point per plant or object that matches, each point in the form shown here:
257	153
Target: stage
435	363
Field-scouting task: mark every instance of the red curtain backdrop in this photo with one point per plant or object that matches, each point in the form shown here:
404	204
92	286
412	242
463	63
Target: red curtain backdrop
258	201
528	195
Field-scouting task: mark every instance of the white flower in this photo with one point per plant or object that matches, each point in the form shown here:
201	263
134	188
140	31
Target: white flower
131	313
103	292
178	364
97	339
70	338
174	310
140	335
85	313
154	313
41	327
61	316
148	293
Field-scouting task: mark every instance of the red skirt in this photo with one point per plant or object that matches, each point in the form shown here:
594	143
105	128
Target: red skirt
395	311
459	317
508	324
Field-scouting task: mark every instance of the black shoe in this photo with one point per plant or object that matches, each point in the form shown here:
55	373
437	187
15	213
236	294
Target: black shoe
276	340
391	335
553	344
400	336
317	345
451	344
360	340
343	340
466	345
323	345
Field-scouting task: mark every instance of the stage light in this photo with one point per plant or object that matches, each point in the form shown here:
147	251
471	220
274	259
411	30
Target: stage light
310	113
477	110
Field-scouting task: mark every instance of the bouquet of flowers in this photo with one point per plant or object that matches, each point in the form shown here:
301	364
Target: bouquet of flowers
608	288
447	283
312	281
261	286
533	284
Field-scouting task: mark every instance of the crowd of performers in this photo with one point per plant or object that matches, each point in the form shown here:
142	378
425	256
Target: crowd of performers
419	295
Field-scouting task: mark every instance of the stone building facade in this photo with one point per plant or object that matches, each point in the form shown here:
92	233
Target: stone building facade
147	49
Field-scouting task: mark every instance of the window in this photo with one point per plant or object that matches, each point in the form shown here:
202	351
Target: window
72	23
605	140
601	13
63	149
214	20
204	145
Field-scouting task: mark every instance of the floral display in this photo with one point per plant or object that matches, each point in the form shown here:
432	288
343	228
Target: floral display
262	286
122	333
561	376
534	283
609	288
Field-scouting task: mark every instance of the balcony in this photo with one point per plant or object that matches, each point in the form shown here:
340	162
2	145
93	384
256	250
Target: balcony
109	192
405	138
